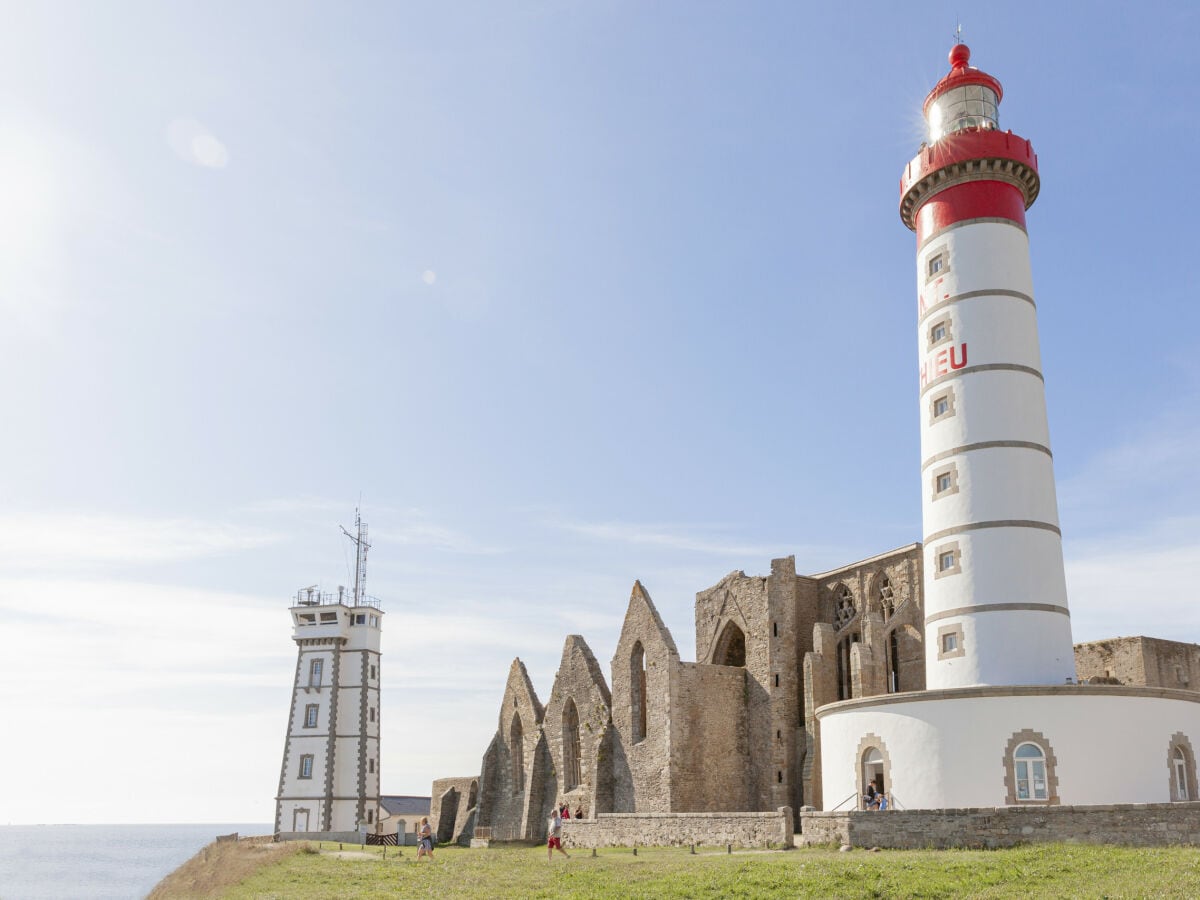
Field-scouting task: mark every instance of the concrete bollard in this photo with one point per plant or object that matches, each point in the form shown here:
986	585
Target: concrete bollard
729	848
593	853
693	849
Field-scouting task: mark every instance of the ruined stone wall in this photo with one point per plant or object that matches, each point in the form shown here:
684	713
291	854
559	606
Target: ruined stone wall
886	596
820	687
578	714
453	807
1153	662
710	751
1141	825
757	616
1112	661
1172	664
763	830
638	774
516	763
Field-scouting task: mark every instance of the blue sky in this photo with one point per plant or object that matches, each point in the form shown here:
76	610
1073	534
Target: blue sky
570	295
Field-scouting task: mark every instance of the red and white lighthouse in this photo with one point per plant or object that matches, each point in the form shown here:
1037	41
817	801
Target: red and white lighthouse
995	592
1002	723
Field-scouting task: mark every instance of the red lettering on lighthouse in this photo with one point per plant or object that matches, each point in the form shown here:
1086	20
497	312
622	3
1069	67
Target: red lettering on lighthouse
924	376
921	304
954	364
939	362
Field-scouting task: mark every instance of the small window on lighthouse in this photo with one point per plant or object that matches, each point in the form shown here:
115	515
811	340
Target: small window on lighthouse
949	643
306	763
310	715
945	482
947	560
941	407
937	263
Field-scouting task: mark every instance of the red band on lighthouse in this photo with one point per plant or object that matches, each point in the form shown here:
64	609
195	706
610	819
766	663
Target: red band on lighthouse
973	200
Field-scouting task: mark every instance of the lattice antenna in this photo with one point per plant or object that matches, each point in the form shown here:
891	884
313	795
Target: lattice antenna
362	545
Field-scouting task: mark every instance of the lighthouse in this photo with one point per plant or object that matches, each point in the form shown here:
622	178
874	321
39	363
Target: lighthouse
1002	722
995	592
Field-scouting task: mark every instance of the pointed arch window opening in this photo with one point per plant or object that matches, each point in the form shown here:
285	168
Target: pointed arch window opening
637	686
893	662
516	747
731	648
571	747
844	609
887	598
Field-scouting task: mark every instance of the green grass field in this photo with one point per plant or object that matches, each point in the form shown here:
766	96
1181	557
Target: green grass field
1059	870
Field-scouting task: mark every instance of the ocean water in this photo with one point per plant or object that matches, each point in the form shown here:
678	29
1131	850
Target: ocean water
98	862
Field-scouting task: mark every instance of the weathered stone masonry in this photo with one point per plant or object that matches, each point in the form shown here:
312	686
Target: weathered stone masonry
727	733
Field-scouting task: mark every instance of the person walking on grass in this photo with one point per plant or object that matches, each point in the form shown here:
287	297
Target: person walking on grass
554	840
425	833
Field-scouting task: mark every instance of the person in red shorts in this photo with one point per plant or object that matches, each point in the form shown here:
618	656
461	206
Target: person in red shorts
554	841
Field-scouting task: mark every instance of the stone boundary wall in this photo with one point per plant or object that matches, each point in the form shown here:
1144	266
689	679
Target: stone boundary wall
1131	824
741	829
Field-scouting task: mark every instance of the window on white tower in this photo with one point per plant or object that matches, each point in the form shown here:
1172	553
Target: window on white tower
937	263
316	669
941	406
943	482
306	765
949	642
310	715
946	561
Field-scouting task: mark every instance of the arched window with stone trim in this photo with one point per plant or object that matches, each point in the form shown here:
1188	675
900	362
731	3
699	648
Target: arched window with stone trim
516	750
1030	774
1181	763
731	646
637	691
844	609
570	746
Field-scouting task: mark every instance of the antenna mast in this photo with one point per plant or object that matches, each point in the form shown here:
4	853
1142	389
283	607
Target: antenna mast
360	558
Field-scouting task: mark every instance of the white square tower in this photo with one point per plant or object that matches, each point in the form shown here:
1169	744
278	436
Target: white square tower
329	779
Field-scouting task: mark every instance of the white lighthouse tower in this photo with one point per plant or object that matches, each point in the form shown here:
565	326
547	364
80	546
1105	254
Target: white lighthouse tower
1002	722
995	593
329	780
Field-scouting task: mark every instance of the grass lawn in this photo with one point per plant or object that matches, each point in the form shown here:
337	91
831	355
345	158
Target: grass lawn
1055	870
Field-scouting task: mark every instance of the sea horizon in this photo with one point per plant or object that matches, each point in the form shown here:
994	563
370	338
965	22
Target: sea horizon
101	861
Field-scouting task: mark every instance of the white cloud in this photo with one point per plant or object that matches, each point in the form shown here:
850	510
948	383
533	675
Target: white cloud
63	540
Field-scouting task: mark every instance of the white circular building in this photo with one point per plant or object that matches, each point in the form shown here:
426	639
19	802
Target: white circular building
1002	722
